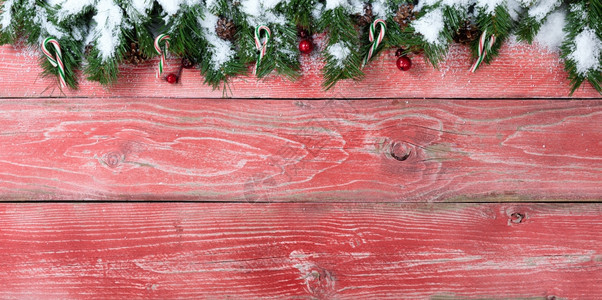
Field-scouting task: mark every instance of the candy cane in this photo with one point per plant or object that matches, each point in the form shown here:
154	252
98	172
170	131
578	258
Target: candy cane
484	47
55	60
261	47
159	50
375	44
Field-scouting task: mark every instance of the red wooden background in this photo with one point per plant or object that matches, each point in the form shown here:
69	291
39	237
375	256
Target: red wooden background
427	184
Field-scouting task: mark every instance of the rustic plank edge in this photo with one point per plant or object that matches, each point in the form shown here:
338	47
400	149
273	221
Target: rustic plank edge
300	150
313	251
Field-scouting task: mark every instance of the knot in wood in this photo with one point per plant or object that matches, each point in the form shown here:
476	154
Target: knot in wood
113	159
400	151
517	217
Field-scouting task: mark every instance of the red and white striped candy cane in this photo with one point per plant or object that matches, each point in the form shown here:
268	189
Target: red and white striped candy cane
484	47
56	59
160	51
381	35
261	47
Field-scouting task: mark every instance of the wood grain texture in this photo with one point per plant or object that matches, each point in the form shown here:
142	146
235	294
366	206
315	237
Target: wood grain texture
300	150
300	251
521	71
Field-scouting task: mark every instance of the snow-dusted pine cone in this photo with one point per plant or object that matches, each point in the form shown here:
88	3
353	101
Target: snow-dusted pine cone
366	18
134	55
404	15
225	29
467	33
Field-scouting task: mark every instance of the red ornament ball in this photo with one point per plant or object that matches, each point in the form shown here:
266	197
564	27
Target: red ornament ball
171	78
404	63
305	46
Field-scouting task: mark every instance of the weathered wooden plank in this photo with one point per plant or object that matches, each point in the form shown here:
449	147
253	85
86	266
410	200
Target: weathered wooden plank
286	150
323	251
521	71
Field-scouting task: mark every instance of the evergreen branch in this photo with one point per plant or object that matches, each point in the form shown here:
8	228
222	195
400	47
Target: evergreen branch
346	43
500	24
281	54
185	32
71	60
528	29
577	24
342	54
104	71
300	13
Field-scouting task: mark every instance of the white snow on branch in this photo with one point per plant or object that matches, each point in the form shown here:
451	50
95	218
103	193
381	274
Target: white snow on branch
542	8
381	9
514	8
210	4
578	9
142	6
68	8
458	4
221	50
430	26
316	13
339	52
6	17
586	52
332	4
107	30
172	7
261	12
351	6
551	34
489	5
48	29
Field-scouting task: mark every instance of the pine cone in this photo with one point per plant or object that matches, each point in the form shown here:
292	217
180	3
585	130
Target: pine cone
467	33
366	18
88	49
404	15
134	55
225	29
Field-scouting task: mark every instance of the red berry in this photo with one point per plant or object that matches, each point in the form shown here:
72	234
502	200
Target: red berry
305	46
404	63
171	78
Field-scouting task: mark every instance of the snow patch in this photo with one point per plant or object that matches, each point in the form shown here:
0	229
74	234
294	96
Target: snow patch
142	6
542	8
68	8
316	13
48	28
339	52
171	7
579	10
452	3
430	26
514	9
586	53
221	50
489	5
380	8
6	17
551	34
332	4
260	12
350	6
107	31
